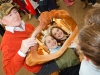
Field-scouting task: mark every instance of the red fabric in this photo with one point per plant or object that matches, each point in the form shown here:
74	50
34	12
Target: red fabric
11	42
20	3
29	7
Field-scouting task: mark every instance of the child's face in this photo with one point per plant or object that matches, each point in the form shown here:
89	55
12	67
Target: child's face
12	19
51	42
57	33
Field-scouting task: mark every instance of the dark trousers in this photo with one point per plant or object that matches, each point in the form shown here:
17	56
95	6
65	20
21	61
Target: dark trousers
73	70
48	68
2	30
90	1
37	12
49	6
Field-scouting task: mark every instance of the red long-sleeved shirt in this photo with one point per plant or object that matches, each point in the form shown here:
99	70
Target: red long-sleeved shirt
11	43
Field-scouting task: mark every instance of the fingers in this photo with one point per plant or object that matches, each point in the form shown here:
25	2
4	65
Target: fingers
27	43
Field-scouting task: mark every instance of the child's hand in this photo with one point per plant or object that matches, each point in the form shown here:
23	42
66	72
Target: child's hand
26	44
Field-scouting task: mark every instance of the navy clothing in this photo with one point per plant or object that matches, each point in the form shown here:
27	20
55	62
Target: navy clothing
48	68
73	70
46	5
90	1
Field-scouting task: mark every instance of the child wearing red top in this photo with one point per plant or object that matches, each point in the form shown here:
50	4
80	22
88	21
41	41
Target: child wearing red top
16	43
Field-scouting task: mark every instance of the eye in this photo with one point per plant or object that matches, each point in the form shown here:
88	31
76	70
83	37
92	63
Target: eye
10	15
55	34
48	41
52	39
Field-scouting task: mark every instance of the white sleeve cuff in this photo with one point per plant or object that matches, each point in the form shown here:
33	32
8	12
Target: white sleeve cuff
21	54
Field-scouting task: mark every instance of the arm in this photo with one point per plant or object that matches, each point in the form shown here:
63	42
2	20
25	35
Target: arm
12	60
11	63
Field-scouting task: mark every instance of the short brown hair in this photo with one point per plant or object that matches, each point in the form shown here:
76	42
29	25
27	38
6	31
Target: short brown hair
89	42
92	16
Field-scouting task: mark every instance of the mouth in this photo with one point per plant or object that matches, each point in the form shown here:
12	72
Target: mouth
60	35
17	19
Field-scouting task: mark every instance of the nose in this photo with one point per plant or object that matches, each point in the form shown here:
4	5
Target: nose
53	41
57	33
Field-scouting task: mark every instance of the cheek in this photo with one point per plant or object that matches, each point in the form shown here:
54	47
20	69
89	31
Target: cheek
56	36
56	46
49	46
7	22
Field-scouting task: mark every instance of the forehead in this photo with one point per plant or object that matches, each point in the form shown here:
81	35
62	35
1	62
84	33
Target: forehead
48	37
54	29
13	9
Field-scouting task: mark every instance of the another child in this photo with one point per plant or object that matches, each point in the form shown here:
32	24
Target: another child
16	43
89	47
60	35
68	59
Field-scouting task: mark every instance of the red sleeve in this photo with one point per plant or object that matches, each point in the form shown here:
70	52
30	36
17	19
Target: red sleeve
12	62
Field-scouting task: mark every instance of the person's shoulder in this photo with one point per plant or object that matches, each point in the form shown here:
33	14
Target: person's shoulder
29	25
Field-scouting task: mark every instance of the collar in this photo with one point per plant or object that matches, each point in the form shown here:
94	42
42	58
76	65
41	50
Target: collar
12	29
52	50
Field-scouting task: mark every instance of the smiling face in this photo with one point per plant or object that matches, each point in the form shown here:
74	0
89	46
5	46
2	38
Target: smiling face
51	42
57	33
12	19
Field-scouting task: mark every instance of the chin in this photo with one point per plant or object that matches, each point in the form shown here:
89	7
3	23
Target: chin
18	24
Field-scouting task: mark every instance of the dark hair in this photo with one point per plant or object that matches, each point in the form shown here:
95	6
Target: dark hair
92	17
89	43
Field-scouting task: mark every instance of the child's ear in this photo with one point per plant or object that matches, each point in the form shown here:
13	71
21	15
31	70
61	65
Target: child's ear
3	21
86	58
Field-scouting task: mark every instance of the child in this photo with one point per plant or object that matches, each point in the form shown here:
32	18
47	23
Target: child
89	47
16	43
68	59
60	35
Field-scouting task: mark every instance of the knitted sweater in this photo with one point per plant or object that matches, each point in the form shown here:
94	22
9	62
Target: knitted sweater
11	43
68	59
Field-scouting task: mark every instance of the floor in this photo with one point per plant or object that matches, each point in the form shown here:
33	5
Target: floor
75	11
